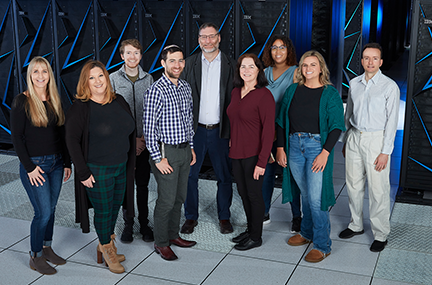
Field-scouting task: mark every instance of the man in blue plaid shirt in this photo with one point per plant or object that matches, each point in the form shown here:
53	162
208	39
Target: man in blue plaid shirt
168	132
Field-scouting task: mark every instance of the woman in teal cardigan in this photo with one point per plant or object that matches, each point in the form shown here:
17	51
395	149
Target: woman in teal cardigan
309	124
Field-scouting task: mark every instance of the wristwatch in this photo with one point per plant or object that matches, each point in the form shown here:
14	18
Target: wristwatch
157	160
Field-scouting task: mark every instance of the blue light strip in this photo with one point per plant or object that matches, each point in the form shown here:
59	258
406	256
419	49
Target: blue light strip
4	128
250	30
352	16
152	68
64	88
8	82
423	124
379	16
119	38
27	60
428	84
350	35
4	18
154	35
6	54
418	162
352	54
272	30
67	64
107	41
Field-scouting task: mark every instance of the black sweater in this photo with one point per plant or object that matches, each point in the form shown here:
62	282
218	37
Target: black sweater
30	141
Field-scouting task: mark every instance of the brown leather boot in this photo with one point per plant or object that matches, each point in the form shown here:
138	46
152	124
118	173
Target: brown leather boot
120	257
110	257
52	257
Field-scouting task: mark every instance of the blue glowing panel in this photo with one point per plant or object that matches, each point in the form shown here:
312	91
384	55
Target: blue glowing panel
68	58
29	54
108	65
152	68
421	164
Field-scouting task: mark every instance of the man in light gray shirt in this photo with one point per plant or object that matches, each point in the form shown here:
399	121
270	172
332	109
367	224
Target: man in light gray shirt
371	119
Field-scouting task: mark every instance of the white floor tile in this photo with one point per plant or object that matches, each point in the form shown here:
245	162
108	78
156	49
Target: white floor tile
12	231
348	258
132	279
307	275
15	268
241	270
193	265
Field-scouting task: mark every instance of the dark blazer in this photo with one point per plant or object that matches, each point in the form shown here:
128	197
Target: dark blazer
77	140
192	74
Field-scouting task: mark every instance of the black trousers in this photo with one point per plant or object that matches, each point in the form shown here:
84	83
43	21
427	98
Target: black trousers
250	191
142	178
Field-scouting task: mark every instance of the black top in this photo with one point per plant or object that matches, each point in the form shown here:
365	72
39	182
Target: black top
30	141
109	129
304	116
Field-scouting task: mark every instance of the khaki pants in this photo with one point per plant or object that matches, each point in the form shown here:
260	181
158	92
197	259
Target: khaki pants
361	150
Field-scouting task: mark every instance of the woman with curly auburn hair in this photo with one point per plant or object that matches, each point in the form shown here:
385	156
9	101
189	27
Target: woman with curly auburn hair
100	135
37	121
280	58
309	124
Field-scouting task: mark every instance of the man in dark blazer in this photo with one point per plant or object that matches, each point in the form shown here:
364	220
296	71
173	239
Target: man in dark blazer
210	74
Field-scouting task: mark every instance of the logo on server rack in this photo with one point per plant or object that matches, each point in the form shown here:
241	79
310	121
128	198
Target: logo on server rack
427	22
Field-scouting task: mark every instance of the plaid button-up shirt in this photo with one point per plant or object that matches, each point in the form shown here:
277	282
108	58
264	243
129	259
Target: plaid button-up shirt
167	115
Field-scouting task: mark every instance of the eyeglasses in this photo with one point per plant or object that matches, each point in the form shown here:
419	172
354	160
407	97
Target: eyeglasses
281	48
204	37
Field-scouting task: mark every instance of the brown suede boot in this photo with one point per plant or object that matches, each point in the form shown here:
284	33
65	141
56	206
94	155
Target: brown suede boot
40	265
52	257
120	257
110	257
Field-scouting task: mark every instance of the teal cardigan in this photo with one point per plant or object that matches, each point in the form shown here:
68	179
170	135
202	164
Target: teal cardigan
331	116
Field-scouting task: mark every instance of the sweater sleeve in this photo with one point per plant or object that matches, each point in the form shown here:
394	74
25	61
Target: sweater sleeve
75	123
267	116
18	125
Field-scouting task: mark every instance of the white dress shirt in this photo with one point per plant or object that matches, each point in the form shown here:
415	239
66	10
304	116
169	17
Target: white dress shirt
209	111
374	106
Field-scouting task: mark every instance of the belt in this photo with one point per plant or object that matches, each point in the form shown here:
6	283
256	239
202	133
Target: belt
209	127
181	145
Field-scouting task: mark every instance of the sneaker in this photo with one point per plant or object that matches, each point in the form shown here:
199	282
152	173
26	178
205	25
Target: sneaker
378	246
348	233
296	225
266	219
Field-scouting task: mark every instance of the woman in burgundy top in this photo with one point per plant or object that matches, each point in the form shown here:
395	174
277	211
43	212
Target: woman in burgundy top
251	113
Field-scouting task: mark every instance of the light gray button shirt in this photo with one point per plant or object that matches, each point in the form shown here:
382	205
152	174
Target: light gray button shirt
209	111
374	106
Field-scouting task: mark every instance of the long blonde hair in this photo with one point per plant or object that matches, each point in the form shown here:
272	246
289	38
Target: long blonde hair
324	78
83	89
35	108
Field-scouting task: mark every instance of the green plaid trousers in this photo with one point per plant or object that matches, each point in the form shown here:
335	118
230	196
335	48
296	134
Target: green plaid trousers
106	197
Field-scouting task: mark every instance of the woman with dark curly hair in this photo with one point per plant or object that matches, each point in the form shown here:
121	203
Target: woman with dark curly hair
280	58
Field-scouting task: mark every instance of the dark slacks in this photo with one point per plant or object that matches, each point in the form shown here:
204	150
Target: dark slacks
251	194
218	149
172	189
142	178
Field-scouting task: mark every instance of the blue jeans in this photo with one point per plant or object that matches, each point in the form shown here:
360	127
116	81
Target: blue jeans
315	226
218	150
268	187
43	199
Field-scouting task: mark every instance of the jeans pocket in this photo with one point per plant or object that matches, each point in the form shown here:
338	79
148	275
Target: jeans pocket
316	138
37	160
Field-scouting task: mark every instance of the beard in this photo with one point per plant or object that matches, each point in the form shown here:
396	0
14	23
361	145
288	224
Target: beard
172	75
210	50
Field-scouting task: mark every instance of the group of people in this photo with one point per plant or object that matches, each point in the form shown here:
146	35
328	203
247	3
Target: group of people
250	120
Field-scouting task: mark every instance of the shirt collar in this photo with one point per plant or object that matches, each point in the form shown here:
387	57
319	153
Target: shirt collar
217	58
166	81
375	79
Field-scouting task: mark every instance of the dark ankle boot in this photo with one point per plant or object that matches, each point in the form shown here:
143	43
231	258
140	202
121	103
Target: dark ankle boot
51	256
40	265
127	235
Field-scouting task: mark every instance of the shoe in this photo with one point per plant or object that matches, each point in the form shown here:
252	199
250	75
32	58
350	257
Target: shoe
127	235
147	234
297	240
241	237
182	242
378	246
40	265
110	257
316	256
296	225
266	219
188	226
120	257
51	256
225	227
165	252
248	244
348	233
